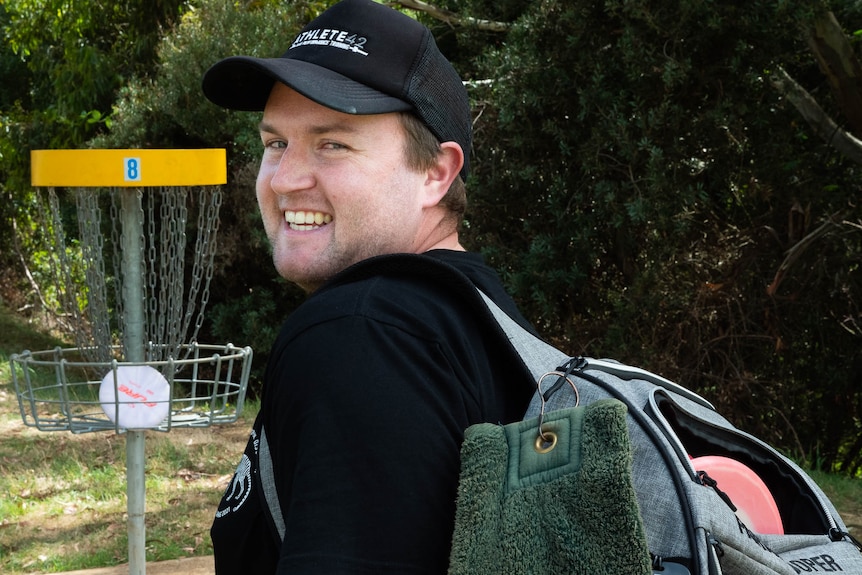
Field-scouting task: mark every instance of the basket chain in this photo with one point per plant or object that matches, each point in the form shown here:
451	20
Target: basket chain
170	298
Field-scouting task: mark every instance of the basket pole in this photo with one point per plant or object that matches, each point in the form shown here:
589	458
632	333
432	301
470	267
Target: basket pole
133	347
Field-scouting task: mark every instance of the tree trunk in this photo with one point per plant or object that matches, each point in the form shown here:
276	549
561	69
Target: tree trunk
840	65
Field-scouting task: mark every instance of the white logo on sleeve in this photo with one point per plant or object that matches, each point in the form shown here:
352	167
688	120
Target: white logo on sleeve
240	486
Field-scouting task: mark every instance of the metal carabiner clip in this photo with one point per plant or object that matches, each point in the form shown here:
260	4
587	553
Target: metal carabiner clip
546	440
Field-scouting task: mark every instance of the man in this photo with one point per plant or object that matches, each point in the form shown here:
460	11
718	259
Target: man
366	131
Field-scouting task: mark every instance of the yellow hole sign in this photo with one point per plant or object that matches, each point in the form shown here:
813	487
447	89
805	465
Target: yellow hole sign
128	168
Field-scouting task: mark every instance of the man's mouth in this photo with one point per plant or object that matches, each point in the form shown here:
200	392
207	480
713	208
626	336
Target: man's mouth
305	221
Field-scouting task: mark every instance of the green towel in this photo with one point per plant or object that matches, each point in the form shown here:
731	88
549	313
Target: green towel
571	510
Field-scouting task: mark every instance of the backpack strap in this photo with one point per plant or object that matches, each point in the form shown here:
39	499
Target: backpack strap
537	354
267	482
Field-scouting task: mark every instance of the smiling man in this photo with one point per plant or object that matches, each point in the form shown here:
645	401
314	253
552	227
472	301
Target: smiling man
353	461
335	189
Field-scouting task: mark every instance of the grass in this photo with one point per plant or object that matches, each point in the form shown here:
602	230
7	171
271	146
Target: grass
62	495
846	494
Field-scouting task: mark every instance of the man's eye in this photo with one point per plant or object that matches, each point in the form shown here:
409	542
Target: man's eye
277	144
334	146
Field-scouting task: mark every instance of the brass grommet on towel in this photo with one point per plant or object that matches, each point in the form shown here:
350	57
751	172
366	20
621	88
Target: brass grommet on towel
546	441
541	439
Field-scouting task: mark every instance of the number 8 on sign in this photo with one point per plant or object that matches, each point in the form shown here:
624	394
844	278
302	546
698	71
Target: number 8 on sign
132	169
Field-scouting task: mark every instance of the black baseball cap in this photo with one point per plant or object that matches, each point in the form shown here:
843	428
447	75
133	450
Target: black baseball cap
357	57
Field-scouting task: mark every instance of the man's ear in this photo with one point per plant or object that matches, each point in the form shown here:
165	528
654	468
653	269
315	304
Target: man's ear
444	171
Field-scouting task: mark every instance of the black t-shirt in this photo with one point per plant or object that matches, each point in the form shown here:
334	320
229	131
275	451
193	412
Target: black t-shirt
370	386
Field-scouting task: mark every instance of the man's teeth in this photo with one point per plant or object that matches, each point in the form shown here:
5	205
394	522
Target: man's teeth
305	221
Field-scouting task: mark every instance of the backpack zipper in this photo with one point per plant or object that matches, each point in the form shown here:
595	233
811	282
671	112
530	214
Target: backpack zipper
628	372
573	364
836	535
825	514
648	425
705	479
715	551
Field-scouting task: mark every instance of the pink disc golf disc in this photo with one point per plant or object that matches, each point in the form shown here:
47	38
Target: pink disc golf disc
755	505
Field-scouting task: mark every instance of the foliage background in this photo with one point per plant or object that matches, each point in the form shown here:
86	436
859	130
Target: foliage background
644	186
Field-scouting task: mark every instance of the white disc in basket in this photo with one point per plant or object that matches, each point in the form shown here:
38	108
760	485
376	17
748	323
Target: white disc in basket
140	399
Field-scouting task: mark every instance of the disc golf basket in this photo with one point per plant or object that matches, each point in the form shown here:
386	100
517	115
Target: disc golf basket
134	292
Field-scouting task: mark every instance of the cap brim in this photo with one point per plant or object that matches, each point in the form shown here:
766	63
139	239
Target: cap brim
244	83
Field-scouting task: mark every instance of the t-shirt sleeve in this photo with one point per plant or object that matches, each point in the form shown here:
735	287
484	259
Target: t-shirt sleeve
365	422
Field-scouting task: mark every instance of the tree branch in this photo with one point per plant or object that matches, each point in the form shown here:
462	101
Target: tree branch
819	120
33	284
839	64
797	249
451	18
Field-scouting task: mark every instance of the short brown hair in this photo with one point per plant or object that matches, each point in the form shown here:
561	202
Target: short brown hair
421	152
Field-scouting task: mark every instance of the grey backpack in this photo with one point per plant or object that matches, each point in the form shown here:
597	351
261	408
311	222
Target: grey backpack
692	526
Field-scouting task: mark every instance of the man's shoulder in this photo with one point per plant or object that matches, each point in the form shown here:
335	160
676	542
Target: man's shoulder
408	292
393	288
414	276
437	268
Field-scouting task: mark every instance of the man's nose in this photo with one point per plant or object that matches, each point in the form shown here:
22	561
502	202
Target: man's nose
294	172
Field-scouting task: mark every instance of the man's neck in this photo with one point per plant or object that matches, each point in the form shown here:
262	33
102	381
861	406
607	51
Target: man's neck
450	242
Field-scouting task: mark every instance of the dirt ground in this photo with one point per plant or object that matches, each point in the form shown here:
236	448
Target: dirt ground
187	566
